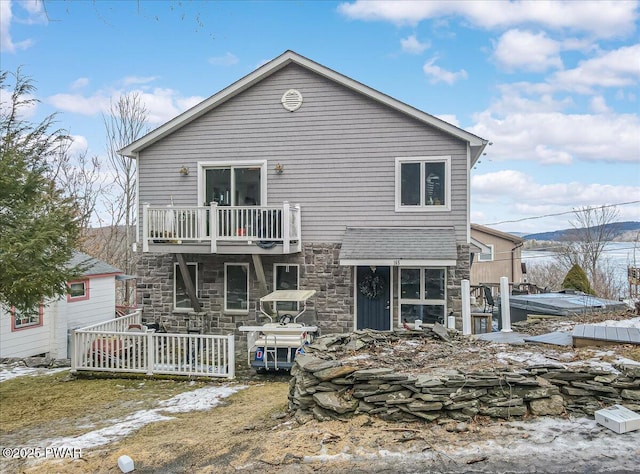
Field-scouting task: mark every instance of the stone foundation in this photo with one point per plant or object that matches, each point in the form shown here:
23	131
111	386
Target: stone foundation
331	309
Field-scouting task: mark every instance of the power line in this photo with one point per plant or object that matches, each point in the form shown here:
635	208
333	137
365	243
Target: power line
561	213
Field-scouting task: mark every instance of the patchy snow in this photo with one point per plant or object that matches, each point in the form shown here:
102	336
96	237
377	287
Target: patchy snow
8	372
545	440
623	323
196	400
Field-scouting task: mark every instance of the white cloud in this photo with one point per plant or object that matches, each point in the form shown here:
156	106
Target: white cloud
599	105
524	50
449	118
530	198
554	137
131	80
601	19
437	74
618	68
413	46
162	104
80	83
227	59
35	14
78	145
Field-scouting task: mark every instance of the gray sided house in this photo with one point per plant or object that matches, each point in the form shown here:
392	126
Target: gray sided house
296	176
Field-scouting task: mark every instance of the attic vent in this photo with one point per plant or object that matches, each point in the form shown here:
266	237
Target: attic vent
292	100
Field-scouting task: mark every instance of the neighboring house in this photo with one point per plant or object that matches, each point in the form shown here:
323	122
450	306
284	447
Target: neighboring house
91	299
499	256
296	176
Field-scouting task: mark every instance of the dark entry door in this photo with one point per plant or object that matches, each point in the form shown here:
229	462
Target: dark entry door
373	300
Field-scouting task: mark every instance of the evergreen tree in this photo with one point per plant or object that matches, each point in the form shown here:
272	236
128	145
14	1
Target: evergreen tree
39	226
576	279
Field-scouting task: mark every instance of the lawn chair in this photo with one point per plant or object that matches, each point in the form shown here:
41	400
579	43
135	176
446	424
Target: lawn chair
489	303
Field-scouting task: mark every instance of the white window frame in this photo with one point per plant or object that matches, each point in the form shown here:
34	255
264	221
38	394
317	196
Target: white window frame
176	271
275	275
236	311
422	300
204	165
491	255
422	207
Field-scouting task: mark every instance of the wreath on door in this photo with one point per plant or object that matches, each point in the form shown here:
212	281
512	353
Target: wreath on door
372	286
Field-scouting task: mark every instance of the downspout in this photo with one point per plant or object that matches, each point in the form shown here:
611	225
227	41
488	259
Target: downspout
513	261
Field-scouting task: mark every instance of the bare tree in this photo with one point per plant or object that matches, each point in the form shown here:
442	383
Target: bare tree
592	229
79	177
125	123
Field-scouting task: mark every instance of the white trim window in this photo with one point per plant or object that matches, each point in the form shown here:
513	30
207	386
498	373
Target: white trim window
286	277
181	300
236	287
422	294
487	257
423	183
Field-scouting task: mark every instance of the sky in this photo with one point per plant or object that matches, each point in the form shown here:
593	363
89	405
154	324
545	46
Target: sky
554	86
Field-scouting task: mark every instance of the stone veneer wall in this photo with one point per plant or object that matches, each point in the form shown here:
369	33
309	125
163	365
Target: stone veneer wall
319	268
330	389
331	309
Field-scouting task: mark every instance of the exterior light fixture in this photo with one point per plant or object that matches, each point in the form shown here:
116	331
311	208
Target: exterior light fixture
279	168
184	171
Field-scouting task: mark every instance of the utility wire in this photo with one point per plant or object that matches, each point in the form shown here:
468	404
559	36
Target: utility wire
561	213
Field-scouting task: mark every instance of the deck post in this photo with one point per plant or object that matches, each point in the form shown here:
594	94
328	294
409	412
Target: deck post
150	351
286	227
74	363
505	310
213	226
465	288
231	357
145	227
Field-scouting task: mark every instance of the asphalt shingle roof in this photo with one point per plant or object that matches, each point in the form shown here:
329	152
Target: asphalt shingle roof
399	243
91	265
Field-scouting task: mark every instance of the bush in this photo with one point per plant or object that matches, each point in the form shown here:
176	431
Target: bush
576	279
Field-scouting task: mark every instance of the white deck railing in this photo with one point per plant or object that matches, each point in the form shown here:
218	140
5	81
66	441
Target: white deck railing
150	353
177	225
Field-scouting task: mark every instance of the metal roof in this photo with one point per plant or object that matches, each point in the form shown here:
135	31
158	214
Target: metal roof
395	246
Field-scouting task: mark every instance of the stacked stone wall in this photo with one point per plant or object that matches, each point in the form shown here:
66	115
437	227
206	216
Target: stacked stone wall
330	389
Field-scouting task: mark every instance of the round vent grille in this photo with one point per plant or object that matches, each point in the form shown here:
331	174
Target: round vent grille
292	100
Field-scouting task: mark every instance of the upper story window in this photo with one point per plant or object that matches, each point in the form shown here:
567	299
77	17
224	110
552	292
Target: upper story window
78	291
240	184
423	183
486	256
23	321
181	300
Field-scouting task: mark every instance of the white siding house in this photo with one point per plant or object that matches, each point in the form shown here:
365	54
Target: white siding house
91	299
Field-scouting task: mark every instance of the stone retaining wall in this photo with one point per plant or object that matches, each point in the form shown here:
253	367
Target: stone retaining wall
330	389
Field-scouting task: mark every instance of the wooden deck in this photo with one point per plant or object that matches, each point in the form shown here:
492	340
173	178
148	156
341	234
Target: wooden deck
591	335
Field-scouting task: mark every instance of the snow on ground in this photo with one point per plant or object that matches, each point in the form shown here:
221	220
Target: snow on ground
196	400
8	372
623	323
542	440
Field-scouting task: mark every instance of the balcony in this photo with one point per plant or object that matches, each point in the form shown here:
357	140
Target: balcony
221	229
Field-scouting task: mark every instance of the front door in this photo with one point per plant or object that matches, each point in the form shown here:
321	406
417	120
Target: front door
374	297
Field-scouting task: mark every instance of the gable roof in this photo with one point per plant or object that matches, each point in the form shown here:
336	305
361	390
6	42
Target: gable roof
92	266
476	143
503	235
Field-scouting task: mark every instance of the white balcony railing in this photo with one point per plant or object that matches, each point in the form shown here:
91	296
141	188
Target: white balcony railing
215	224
